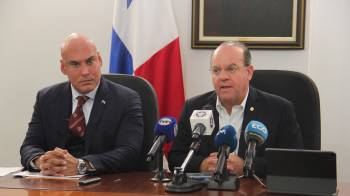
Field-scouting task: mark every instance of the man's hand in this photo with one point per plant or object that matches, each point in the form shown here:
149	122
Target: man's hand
235	164
209	163
57	162
71	166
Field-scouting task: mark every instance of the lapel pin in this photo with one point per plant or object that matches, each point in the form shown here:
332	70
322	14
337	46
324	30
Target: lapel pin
103	101
251	109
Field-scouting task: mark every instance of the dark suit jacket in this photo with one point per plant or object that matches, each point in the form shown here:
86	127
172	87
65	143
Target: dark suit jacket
275	112
113	136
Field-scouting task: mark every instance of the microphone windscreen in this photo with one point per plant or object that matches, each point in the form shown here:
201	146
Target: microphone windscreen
226	135
204	117
257	131
166	126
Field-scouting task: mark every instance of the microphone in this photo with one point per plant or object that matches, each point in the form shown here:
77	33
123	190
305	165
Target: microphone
165	131
226	141
255	135
202	123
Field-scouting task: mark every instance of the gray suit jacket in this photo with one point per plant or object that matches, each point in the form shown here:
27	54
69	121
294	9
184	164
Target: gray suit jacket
114	133
275	112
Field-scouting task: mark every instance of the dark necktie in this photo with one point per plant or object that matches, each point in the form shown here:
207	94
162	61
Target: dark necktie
77	119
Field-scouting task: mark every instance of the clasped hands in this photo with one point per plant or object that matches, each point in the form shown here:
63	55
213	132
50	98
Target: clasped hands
57	162
234	163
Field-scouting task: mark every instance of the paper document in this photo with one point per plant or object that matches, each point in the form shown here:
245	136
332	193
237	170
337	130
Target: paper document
39	175
6	170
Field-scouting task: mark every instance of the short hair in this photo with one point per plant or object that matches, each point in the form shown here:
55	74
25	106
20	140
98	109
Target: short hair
246	53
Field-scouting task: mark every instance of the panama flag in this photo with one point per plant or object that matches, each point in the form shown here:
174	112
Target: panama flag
145	43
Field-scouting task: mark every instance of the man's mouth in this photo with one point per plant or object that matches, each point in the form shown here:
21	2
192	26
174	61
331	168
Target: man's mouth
225	87
86	81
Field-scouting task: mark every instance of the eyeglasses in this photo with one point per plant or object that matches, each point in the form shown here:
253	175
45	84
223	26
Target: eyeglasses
230	69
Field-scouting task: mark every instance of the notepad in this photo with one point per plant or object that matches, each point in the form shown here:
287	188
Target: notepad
39	175
6	170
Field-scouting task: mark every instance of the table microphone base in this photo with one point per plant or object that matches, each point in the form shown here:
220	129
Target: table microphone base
189	186
160	177
160	180
230	183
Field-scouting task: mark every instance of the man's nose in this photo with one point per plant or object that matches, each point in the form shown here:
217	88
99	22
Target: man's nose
223	74
84	69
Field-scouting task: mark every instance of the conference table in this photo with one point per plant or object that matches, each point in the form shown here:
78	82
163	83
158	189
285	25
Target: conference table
126	184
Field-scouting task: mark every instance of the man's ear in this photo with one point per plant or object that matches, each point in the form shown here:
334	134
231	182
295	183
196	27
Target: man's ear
63	70
99	58
250	71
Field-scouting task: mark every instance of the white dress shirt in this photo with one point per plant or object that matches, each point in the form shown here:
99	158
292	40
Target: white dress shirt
87	107
235	118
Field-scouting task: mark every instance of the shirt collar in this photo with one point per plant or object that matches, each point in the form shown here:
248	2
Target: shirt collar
91	94
242	105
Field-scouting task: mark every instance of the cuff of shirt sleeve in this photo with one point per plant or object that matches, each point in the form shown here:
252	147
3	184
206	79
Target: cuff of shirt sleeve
32	163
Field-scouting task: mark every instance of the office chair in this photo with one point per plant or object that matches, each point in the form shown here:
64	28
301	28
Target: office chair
302	92
149	109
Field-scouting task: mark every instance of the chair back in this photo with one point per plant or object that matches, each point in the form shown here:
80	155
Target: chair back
302	92
149	109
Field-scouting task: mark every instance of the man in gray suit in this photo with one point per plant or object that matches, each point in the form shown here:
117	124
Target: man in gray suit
85	125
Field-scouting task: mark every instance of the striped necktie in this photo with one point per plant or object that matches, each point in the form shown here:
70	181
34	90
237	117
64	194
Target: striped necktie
77	119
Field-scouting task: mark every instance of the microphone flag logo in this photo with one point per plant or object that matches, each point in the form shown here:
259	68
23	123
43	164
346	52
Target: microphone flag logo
165	121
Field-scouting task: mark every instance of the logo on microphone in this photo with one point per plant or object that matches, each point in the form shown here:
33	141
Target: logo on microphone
222	131
260	126
165	121
201	114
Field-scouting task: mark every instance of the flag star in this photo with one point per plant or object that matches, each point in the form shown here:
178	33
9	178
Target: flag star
129	2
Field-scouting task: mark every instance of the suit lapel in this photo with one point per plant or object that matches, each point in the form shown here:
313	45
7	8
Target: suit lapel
212	103
64	110
250	111
99	105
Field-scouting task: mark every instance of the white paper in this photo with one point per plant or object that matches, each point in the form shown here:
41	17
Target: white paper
39	175
6	170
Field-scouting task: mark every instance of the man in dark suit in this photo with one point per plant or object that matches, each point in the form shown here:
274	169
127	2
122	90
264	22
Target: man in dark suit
86	125
235	103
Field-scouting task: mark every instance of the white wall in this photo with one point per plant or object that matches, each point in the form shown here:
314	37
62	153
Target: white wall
31	31
30	37
329	66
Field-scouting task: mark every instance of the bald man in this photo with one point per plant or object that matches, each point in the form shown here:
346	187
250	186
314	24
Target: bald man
85	125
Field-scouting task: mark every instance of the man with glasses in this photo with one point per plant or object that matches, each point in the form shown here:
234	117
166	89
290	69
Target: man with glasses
85	125
234	102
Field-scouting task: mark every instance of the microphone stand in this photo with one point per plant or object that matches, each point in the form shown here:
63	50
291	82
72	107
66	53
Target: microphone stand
159	176
248	171
222	179
180	182
251	174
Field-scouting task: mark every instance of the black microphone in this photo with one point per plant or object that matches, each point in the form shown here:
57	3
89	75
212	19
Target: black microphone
165	131
226	140
255	135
